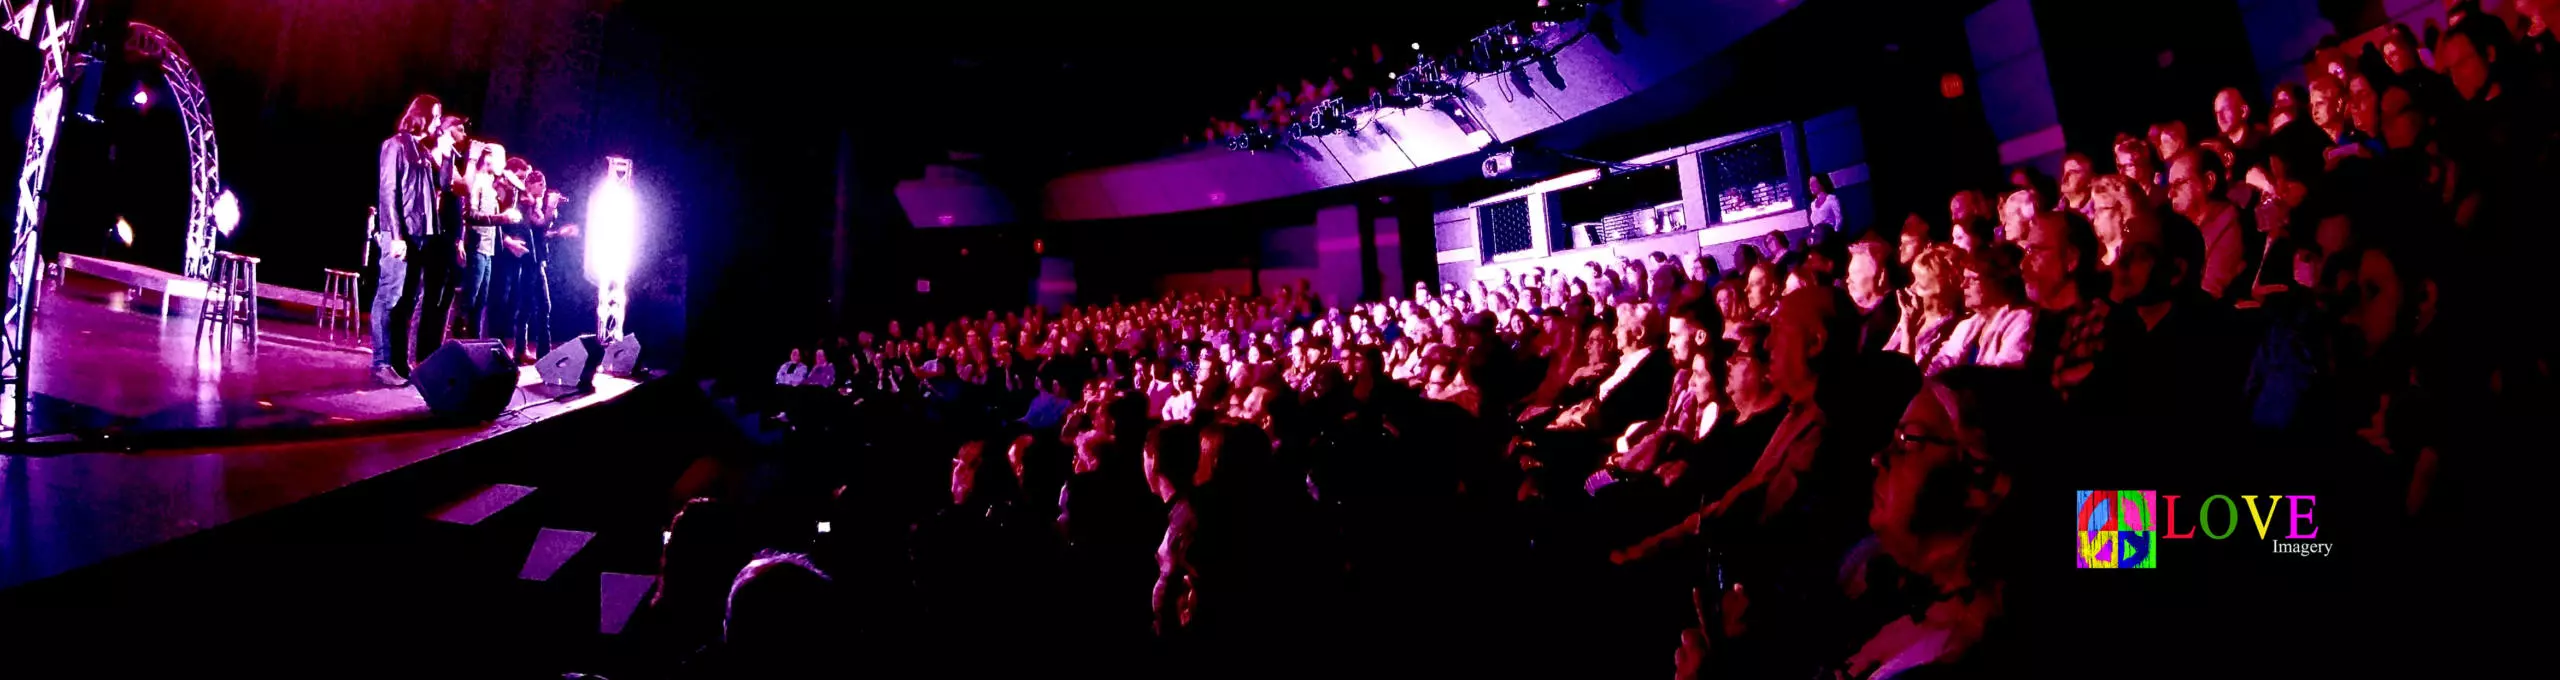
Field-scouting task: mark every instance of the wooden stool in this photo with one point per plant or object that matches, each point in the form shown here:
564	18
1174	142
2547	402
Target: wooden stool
339	306
231	298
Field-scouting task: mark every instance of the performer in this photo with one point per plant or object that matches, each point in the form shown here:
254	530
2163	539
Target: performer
492	208
407	186
523	277
435	260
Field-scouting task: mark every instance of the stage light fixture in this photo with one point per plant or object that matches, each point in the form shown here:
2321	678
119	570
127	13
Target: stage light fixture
1394	100
613	234
1254	139
1428	80
226	212
1559	12
1327	118
1506	43
124	231
141	98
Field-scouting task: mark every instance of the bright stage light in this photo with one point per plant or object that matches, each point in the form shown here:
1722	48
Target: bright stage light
613	223
226	212
613	234
141	97
124	231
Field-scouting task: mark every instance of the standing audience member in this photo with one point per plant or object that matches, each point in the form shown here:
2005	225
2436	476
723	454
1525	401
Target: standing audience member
1824	210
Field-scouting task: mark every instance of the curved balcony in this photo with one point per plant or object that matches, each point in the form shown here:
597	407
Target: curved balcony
1623	48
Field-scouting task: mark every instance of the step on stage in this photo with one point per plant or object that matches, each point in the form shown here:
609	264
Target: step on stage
151	435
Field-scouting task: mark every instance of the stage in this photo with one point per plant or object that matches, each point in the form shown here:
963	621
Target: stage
147	435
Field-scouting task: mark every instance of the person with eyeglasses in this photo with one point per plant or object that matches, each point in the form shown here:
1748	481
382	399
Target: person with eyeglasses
1943	521
1998	328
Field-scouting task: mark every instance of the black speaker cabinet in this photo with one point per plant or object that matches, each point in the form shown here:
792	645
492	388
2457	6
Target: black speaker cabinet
572	364
467	379
622	358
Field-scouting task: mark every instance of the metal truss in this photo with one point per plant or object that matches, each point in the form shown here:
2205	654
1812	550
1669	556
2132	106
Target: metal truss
41	23
204	158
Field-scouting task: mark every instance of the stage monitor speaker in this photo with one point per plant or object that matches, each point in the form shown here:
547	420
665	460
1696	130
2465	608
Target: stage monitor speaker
573	363
467	379
622	358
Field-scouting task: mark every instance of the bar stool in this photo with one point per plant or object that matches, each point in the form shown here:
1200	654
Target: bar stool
231	298
338	303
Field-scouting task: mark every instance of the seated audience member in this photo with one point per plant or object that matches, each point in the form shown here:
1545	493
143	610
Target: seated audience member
1966	207
2016	209
1974	234
1934	306
1449	383
792	372
1761	289
1870	287
2060	256
1184	399
1173	469
2195	194
2169	139
2077	171
1048	409
822	375
1942	516
781	616
703	548
1917	235
2169	355
1752	408
1998	327
2114	200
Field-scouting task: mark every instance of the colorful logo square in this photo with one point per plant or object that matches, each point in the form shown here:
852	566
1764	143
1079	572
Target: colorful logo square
2117	530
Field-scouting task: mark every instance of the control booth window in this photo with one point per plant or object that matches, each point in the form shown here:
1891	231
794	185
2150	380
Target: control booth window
1621	206
1749	178
1506	227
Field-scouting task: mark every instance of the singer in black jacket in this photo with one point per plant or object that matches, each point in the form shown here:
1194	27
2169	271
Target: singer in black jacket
408	186
523	278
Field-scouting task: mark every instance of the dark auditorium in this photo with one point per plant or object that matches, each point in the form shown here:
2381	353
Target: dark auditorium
1692	339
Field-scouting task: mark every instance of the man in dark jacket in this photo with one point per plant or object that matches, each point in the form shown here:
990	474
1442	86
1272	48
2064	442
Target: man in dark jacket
404	218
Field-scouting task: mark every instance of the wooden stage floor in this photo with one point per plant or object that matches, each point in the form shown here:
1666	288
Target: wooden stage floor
233	432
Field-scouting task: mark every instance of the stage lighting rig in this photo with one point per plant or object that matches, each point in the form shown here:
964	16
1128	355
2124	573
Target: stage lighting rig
1506	43
1394	100
1560	12
1329	117
1253	139
1428	80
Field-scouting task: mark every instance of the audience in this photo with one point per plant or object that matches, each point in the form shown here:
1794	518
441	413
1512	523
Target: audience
1814	462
